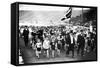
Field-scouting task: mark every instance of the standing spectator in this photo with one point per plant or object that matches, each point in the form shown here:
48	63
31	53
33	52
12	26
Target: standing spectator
52	43
58	47
25	34
38	48
81	43
71	43
46	46
63	43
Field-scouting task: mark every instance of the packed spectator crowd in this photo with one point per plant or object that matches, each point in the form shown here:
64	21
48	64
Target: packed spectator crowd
58	39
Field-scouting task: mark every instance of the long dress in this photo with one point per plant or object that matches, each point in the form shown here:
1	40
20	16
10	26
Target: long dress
46	44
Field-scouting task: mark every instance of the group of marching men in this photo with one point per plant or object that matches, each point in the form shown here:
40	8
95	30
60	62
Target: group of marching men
58	40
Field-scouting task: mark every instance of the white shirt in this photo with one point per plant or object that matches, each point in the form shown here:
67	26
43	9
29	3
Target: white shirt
91	28
71	39
30	36
76	36
38	45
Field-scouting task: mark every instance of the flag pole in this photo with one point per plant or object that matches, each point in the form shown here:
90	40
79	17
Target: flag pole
82	16
70	17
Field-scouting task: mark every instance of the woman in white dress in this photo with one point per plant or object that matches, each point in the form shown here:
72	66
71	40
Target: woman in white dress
46	46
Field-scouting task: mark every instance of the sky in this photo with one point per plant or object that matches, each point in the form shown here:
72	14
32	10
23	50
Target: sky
45	15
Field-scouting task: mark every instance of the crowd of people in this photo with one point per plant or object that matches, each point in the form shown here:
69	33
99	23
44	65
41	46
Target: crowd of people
58	39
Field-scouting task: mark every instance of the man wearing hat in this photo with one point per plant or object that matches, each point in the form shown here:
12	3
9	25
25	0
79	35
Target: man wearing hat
81	43
25	34
71	43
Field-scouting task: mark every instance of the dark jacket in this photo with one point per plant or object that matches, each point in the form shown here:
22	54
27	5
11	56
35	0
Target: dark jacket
25	33
81	40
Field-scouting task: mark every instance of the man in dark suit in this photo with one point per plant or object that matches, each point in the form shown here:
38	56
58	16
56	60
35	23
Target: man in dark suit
71	43
25	34
81	43
40	34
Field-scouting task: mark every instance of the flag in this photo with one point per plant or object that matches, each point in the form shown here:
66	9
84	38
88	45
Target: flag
63	19
69	13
